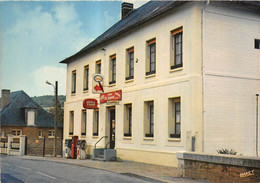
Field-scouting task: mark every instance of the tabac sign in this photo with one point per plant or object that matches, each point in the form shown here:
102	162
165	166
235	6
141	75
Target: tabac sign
111	96
90	103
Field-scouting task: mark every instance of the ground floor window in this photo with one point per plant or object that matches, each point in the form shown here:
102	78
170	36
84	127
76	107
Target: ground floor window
83	122
40	133
128	120
95	122
51	133
149	119
174	121
71	123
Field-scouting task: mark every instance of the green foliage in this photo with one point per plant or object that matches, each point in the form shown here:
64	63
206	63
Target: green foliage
226	151
48	100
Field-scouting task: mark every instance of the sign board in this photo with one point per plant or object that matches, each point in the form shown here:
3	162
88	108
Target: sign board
111	96
97	87
90	103
112	102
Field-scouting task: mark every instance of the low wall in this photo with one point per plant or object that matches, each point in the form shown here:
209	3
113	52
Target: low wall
219	168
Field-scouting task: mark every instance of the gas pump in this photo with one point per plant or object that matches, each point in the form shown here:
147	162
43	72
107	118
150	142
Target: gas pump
74	147
67	147
81	149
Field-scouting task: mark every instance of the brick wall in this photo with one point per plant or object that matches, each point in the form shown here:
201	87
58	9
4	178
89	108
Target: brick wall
220	168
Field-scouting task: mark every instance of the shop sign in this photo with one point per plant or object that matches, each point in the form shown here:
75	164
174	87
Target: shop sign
111	96
90	103
112	103
97	84
247	174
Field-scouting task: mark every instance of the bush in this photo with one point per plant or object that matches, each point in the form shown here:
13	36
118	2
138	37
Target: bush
226	151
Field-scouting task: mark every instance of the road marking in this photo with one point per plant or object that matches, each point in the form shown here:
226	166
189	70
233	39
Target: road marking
6	164
24	168
46	175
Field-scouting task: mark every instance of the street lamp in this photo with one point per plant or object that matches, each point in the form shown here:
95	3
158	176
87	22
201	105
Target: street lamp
56	116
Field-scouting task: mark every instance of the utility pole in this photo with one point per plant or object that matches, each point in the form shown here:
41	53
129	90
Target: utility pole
55	121
257	95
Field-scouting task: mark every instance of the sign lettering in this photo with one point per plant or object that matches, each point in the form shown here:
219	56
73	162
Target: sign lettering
90	103
111	96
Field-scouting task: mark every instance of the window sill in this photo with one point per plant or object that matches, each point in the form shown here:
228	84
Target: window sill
51	137
177	69
151	75
174	139
94	137
127	138
148	138
85	91
129	80
111	85
83	136
73	94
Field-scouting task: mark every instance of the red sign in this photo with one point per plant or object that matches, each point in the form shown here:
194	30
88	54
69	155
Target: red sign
111	96
90	103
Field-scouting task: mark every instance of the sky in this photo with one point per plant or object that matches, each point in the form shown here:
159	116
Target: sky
36	35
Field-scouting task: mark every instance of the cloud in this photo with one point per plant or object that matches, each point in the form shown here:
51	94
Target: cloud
35	41
51	74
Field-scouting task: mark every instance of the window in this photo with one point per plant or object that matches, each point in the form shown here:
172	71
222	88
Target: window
151	60
128	120
112	72
176	48
16	133
257	43
71	123
2	133
96	122
83	122
149	119
40	133
86	78
175	117
130	64
73	83
98	67
51	133
31	117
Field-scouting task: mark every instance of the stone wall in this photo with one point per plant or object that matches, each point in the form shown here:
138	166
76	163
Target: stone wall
219	168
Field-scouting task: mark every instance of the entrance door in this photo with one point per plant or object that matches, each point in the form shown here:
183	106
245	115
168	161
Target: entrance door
112	128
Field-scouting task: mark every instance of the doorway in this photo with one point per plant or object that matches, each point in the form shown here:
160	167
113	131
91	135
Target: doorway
112	121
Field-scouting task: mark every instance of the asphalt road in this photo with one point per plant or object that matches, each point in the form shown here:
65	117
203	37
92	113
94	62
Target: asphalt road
15	170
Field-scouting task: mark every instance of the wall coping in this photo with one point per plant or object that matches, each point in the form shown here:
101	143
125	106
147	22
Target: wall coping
234	160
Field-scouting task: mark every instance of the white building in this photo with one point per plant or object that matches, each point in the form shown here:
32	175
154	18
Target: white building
189	73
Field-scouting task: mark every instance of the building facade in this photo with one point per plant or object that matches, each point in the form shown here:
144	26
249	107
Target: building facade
188	73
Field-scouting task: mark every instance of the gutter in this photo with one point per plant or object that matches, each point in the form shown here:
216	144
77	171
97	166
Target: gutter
203	71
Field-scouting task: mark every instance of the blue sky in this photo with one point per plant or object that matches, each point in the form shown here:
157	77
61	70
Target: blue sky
36	35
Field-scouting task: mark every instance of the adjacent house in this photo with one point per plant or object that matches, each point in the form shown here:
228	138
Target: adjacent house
187	74
20	115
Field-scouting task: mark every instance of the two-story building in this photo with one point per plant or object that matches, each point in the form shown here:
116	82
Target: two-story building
188	74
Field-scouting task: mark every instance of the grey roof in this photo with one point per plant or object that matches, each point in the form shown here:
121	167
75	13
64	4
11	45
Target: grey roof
147	12
14	113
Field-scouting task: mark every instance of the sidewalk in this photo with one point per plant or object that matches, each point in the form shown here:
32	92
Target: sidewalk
145	171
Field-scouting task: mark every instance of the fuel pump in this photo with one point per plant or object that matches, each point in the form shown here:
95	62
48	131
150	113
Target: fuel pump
81	149
74	147
67	148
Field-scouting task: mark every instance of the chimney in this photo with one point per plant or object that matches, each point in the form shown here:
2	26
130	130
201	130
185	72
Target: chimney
126	9
5	98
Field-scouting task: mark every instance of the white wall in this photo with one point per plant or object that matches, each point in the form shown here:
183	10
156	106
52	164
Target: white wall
232	78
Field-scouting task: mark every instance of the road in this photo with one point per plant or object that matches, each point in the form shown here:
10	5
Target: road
18	170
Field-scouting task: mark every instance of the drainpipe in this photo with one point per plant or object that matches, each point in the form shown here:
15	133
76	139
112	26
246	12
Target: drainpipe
257	95
202	70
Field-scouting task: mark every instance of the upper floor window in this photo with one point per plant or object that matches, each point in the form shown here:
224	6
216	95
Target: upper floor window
98	67
151	57
73	82
130	64
176	48
51	133
31	117
112	71
16	132
257	43
86	77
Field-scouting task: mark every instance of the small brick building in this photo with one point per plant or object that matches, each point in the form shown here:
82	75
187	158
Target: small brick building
20	115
